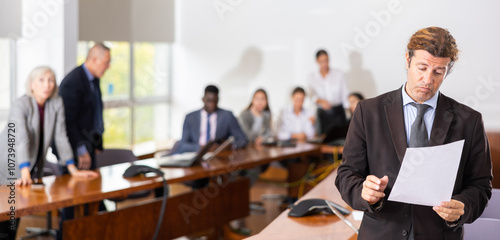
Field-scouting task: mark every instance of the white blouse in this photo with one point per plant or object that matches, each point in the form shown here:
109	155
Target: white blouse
290	123
333	88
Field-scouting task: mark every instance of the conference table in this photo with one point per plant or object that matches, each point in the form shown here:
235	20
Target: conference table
324	226
211	207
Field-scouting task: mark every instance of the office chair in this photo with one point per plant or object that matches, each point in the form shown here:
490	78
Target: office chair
48	170
482	228
116	156
492	210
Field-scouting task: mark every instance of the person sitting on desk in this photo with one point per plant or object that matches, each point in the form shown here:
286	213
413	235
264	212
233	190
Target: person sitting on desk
328	90
35	120
296	122
210	123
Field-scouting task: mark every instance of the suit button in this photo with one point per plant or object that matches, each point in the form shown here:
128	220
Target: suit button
404	233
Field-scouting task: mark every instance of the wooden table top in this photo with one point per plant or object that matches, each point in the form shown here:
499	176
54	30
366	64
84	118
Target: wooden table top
312	227
65	191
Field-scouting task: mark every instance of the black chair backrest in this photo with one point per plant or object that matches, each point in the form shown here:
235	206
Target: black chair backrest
114	156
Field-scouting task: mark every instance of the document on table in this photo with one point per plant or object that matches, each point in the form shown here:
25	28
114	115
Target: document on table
428	174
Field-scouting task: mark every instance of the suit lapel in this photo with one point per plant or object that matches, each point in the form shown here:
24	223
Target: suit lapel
197	127
86	82
35	121
395	120
218	130
442	121
48	122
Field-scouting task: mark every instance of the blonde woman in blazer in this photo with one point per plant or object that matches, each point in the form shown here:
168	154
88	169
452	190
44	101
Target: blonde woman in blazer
25	125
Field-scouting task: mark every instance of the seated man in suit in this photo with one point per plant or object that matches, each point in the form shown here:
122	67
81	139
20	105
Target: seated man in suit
210	123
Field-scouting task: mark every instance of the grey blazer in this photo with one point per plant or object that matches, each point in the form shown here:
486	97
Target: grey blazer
24	114
246	120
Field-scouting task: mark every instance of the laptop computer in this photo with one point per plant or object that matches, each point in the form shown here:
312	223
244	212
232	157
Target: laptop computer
186	159
221	147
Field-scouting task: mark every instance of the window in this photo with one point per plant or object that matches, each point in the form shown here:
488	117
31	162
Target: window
5	80
136	92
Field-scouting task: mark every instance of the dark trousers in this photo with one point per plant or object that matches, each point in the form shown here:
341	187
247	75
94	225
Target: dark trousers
333	117
6	232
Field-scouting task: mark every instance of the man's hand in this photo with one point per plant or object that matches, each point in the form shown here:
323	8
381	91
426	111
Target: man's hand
258	141
300	137
25	179
323	104
450	211
84	161
373	188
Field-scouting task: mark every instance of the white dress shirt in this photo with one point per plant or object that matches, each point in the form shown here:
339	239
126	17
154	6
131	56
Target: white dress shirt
203	127
332	88
291	123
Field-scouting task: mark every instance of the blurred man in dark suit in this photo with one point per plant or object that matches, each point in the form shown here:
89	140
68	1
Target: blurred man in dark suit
81	93
83	107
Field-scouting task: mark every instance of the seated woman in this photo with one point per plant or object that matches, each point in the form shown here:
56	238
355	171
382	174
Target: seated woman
255	120
35	120
295	121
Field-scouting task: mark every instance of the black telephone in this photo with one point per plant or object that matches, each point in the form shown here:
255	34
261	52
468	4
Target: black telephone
136	170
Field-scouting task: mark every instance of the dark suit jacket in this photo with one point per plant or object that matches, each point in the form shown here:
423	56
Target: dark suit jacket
227	126
80	106
376	144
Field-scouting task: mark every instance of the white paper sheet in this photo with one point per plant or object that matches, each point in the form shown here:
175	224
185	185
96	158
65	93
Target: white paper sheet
428	174
357	215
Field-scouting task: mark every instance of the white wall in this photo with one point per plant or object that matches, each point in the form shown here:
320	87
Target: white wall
49	37
271	44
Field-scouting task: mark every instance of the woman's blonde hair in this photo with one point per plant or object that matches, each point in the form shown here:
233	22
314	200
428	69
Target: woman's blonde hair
37	72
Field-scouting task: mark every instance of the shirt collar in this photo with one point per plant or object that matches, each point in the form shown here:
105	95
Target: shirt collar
87	73
407	99
206	113
292	111
319	76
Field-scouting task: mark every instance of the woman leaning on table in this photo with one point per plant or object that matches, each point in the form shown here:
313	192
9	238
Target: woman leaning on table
35	120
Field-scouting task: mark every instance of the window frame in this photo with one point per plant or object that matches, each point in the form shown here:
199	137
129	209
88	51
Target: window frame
133	102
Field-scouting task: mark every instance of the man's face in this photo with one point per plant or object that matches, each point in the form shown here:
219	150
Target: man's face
425	75
323	62
298	100
102	64
210	100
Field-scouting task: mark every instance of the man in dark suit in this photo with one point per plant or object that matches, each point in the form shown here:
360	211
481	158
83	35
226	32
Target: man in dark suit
83	106
209	123
416	115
